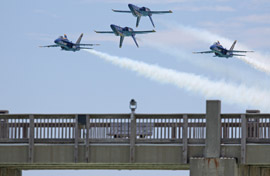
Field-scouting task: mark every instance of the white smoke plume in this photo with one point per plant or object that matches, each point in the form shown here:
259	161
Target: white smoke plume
225	70
257	60
229	93
206	64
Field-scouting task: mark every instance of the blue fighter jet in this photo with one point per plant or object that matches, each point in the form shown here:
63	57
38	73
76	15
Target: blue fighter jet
67	45
141	11
124	32
220	51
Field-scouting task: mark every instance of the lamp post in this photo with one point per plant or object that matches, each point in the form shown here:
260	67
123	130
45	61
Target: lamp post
132	106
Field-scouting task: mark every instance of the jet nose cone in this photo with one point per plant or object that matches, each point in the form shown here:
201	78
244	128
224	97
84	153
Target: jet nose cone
212	47
130	5
56	41
112	26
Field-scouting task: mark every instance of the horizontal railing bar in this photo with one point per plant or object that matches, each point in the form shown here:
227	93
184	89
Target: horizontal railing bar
231	141
150	116
103	125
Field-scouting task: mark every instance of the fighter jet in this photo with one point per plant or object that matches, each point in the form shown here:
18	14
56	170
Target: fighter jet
67	45
141	11
124	32
220	51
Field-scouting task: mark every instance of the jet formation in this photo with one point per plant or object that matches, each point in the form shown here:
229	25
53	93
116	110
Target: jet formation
138	12
68	45
220	51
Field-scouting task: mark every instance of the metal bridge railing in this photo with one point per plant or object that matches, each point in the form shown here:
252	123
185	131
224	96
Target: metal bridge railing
150	128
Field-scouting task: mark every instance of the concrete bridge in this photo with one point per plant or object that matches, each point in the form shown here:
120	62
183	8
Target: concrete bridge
207	144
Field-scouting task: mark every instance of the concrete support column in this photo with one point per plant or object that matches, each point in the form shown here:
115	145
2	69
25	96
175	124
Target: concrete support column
10	172
213	167
213	126
211	164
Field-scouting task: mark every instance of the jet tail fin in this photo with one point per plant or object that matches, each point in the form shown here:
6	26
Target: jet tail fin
135	41
79	39
233	45
151	20
121	41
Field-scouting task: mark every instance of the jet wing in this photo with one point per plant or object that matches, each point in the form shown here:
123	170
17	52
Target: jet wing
237	51
49	46
87	44
122	11
105	32
203	52
143	32
160	12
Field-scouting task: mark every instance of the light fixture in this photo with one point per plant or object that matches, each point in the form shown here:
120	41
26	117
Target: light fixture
133	105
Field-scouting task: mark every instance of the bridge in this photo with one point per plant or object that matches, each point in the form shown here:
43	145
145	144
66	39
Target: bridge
206	144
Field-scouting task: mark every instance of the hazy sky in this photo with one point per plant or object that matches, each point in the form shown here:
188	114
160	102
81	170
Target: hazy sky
48	80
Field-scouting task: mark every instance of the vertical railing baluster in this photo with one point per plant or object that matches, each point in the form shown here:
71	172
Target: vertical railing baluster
12	128
76	134
268	128
19	130
264	127
157	129
15	126
111	129
87	140
48	128
51	128
104	129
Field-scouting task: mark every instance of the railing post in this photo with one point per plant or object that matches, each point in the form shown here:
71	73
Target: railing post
76	139
243	138
31	139
185	139
133	128
4	127
87	139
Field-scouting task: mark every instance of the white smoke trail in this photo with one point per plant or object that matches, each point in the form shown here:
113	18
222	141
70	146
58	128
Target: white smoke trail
232	94
256	60
220	69
205	63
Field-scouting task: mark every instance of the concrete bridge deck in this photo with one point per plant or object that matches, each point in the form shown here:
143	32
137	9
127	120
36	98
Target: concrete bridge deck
199	142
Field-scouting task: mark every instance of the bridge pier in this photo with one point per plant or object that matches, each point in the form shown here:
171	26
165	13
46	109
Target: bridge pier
10	172
213	167
211	164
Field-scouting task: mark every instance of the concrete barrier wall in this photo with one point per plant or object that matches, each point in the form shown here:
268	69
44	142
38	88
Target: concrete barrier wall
164	154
